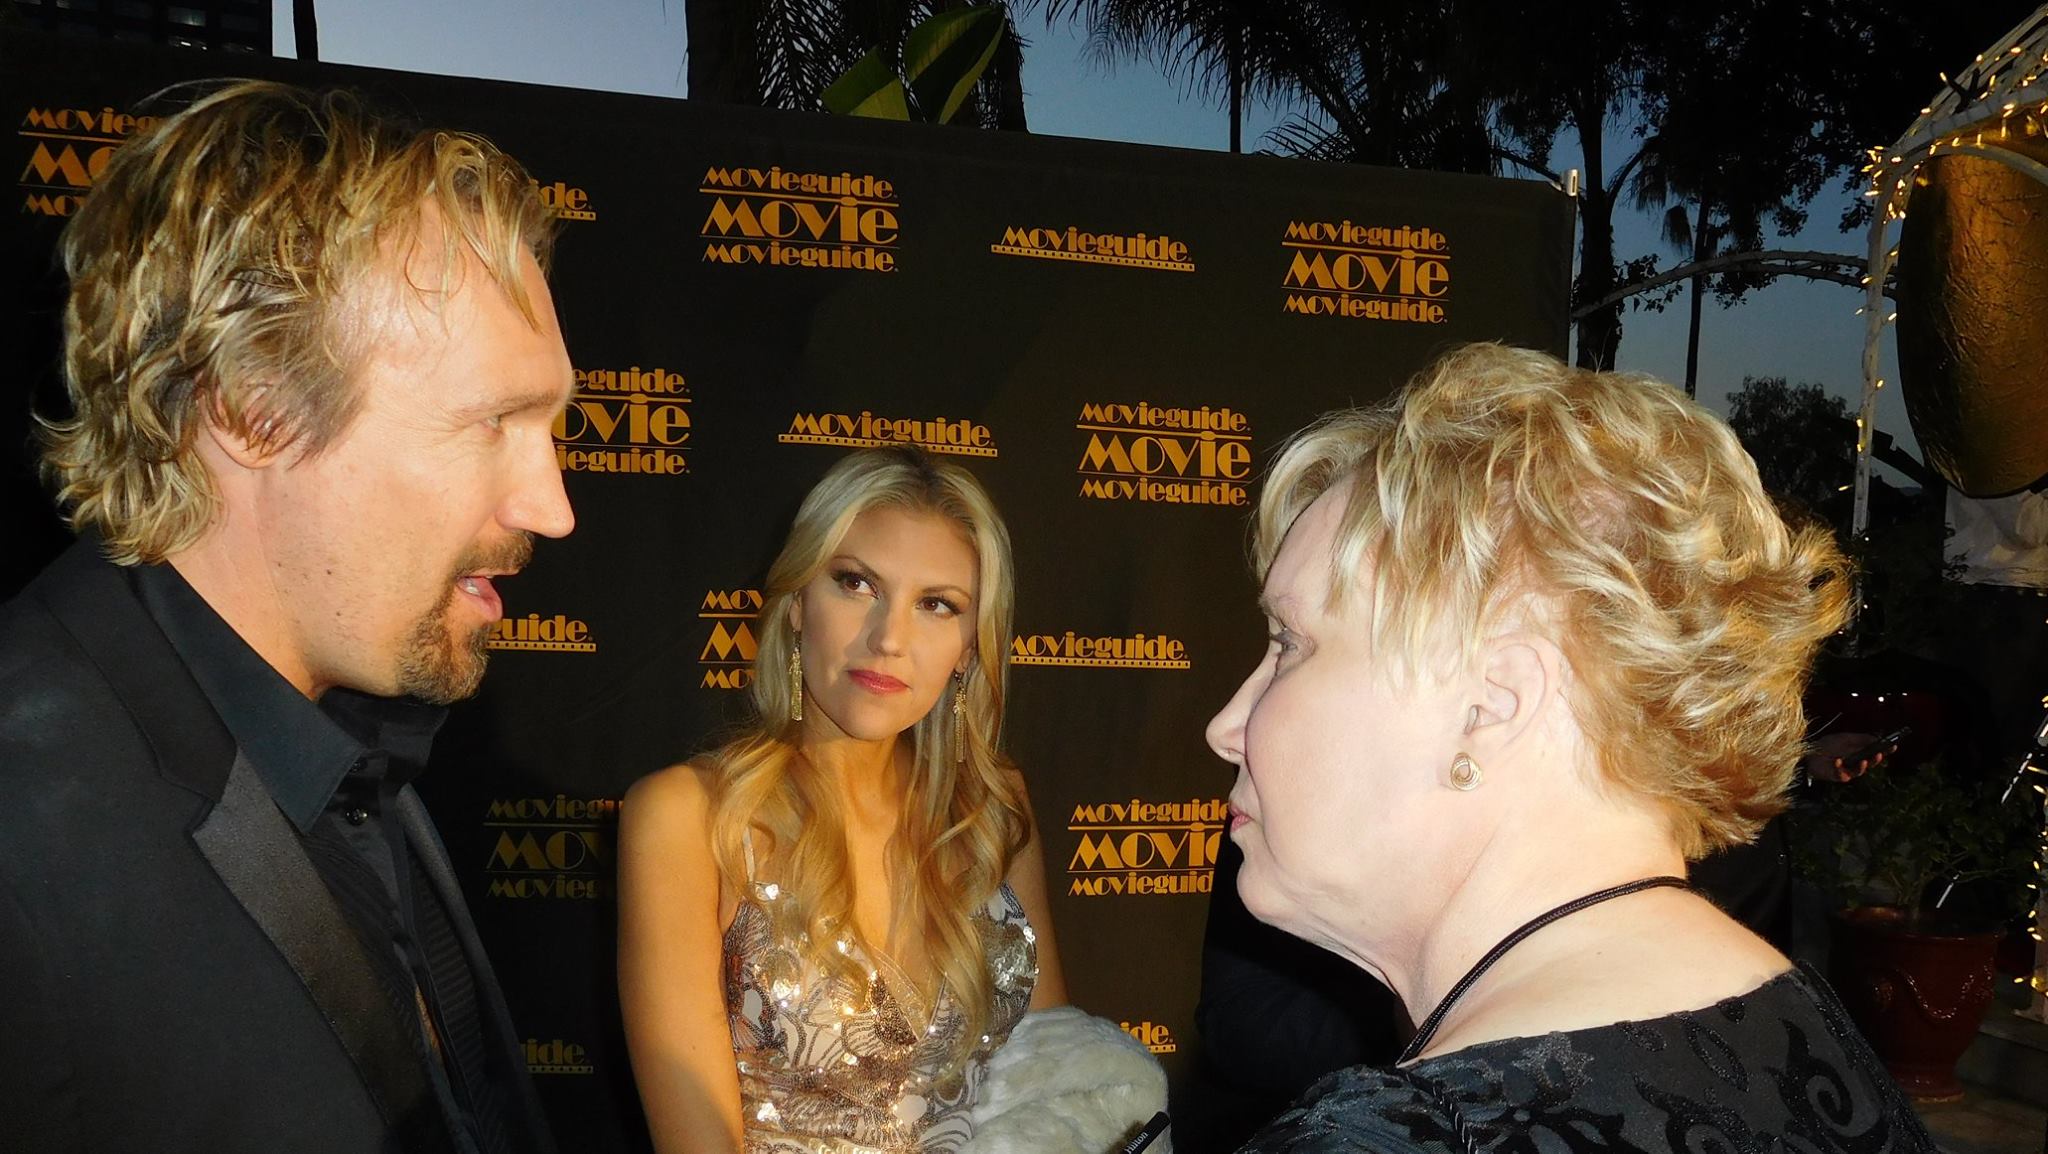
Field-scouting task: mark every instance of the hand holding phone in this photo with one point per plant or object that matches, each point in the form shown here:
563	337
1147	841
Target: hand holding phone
1840	757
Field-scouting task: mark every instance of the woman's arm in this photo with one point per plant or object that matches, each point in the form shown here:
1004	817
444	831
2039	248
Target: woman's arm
670	966
1027	881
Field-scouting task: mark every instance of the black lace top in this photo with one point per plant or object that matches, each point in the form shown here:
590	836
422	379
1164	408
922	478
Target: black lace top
1779	1068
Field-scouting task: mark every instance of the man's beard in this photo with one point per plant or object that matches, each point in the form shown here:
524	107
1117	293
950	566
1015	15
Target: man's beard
437	668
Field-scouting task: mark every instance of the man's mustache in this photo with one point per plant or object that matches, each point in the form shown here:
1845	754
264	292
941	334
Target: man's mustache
508	556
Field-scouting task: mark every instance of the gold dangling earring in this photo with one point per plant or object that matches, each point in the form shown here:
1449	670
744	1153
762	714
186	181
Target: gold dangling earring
1465	774
959	719
796	677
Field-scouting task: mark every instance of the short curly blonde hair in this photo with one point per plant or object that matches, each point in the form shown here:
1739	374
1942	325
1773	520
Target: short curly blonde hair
216	273
1633	523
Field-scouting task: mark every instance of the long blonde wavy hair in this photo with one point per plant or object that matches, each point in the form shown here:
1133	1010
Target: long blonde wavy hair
963	821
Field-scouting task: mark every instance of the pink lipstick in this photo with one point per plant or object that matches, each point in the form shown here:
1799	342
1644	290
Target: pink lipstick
874	682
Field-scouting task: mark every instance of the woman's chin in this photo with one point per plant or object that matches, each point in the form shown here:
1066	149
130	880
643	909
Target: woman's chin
864	721
1261	900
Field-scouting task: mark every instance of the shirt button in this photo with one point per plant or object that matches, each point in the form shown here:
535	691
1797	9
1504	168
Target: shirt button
357	816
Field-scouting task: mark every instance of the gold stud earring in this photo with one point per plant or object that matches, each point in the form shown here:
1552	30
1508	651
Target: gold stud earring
959	718
1465	774
796	678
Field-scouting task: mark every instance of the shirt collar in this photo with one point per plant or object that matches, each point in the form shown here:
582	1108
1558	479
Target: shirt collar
403	728
300	750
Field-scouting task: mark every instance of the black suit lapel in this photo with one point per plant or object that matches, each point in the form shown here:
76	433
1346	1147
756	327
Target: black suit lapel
258	856
244	837
490	998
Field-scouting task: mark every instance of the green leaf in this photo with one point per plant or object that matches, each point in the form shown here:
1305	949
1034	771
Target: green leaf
945	55
868	88
1895	835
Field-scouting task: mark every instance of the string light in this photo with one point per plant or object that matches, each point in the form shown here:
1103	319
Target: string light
1964	107
1958	111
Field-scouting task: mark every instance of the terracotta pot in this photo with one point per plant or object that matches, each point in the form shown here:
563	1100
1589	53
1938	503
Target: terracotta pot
1918	993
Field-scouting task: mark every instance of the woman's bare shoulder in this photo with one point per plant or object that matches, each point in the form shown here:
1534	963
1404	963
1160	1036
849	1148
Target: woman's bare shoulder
677	793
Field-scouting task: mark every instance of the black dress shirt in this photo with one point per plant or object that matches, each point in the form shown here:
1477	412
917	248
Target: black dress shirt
335	770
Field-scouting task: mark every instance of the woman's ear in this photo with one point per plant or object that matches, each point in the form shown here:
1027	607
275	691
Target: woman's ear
1516	678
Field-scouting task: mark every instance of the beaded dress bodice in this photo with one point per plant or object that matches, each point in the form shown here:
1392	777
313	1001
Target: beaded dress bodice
834	1066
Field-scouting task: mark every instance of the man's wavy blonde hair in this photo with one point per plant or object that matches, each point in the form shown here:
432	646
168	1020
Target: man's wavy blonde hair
1501	488
217	272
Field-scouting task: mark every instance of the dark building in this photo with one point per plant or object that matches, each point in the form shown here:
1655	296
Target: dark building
222	25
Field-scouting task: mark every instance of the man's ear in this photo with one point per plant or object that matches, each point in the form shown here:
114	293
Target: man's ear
250	440
1516	679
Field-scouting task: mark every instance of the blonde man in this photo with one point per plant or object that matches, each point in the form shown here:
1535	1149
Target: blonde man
313	366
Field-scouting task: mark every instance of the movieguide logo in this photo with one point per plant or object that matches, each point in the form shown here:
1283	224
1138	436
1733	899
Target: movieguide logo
1151	1035
556	1056
1143	452
550	847
67	149
565	201
534	633
1342	269
788	219
630	420
729	646
1144	847
1138	651
868	431
1136	250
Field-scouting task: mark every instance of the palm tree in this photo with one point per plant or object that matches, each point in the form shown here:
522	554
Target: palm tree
1663	178
1204	41
785	53
1369	92
1384	85
1745	144
1455	85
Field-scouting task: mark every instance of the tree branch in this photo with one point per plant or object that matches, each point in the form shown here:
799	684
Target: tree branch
1621	174
1526	162
1828	266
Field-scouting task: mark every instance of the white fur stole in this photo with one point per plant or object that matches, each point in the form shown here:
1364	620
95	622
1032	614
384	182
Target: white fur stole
1067	1083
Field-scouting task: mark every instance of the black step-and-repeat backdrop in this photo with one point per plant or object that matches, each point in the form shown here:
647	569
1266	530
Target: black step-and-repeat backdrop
1114	338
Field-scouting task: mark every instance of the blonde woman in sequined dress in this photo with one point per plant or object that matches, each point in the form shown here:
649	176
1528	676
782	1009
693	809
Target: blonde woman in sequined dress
828	925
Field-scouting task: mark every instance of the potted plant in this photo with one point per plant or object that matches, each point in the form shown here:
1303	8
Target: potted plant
1928	867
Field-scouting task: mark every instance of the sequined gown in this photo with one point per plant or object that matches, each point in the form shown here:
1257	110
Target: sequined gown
831	1066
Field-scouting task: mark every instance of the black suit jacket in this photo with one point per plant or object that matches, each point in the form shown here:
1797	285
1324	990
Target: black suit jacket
174	975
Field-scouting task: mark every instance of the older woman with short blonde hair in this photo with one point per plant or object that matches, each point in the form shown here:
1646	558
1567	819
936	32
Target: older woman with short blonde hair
1539	639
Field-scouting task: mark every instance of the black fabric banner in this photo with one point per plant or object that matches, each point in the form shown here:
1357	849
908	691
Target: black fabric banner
1113	337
